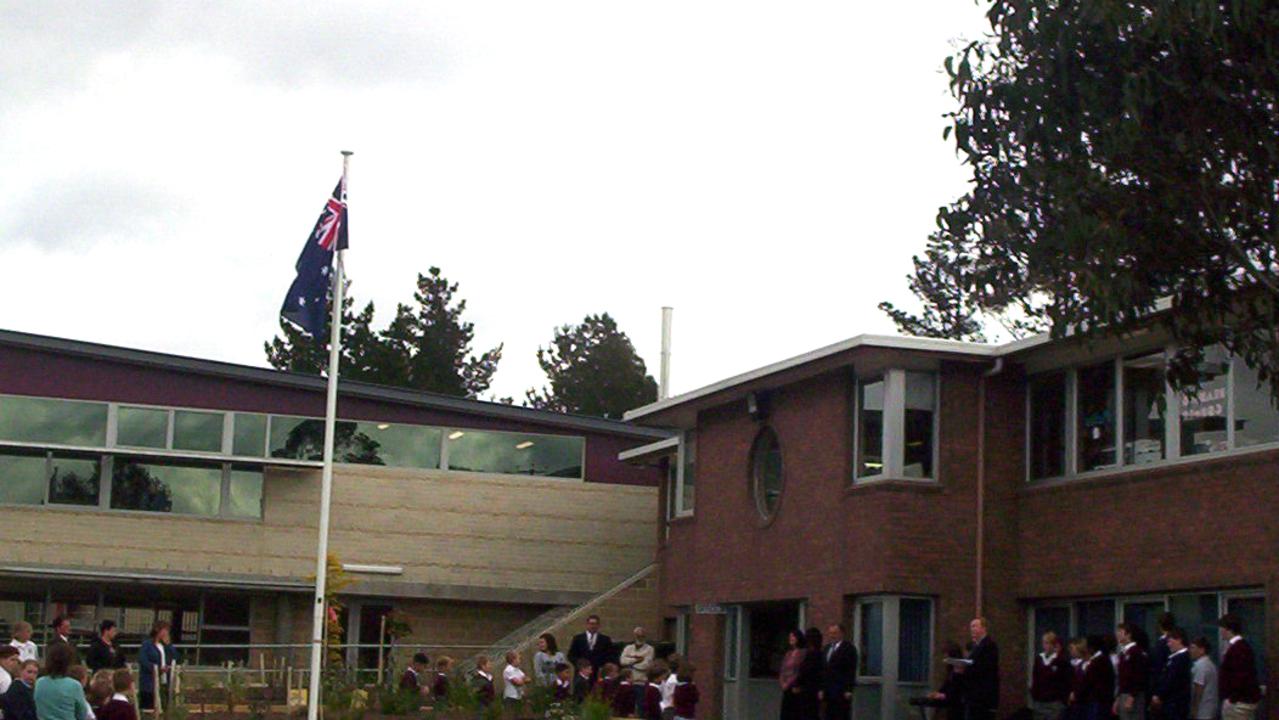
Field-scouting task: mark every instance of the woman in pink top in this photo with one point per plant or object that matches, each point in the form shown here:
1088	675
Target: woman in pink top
792	693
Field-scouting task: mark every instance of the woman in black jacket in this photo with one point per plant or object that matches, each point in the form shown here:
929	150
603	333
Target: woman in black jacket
810	676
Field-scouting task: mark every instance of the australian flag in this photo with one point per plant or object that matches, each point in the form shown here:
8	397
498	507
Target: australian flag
306	305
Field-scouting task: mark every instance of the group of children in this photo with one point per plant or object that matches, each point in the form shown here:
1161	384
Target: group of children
61	690
668	694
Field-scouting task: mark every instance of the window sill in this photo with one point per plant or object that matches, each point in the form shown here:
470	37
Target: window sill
681	519
894	483
1124	472
99	510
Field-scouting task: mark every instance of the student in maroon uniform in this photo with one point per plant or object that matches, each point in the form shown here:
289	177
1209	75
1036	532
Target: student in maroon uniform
1133	679
686	695
1237	677
584	680
1051	680
610	680
411	680
651	706
1078	656
1098	684
119	707
440	688
562	688
483	681
624	698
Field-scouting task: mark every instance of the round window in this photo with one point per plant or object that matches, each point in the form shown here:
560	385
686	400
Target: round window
766	471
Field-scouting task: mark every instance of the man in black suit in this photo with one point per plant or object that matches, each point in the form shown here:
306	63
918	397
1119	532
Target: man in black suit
981	677
839	675
592	645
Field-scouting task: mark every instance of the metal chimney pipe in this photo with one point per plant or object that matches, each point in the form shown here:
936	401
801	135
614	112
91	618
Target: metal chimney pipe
664	383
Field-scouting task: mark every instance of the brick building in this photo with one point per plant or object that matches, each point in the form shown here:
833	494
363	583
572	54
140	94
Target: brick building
138	486
903	485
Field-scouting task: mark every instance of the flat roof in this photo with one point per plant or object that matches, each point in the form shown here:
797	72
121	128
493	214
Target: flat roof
888	342
347	388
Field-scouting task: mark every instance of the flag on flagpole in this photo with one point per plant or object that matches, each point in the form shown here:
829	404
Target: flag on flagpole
305	305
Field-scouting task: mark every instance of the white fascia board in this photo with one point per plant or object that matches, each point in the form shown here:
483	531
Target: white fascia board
661	447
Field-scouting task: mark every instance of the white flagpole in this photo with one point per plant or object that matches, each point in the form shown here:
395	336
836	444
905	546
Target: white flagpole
326	481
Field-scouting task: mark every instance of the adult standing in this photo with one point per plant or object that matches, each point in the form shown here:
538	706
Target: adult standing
1133	674
1051	680
637	657
810	676
27	650
548	655
1172	692
592	645
839	675
1237	679
58	696
155	659
1204	702
981	678
103	653
789	676
61	627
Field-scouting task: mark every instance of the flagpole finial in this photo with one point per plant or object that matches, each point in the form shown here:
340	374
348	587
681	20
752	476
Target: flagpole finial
347	153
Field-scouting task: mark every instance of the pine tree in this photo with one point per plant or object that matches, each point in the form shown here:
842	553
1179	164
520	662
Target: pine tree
593	370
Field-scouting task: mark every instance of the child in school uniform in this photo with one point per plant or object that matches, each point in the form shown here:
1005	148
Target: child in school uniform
610	678
584	681
651	706
482	680
440	688
119	707
623	697
563	685
686	695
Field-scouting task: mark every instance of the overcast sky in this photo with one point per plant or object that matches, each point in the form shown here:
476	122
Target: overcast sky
768	169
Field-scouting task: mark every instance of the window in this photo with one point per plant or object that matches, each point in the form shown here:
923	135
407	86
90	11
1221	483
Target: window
244	496
249	436
686	482
1205	411
142	427
672	484
872	639
1255	418
1096	617
870	427
895	639
915	640
515	453
921	401
23	479
1145	409
187	489
74	481
198	431
1096	425
766	472
62	422
732	641
1052	618
1047	426
769	625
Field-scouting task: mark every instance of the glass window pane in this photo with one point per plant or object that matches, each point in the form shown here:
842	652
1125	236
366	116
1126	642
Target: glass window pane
1205	411
299	438
200	431
870	427
249	436
872	639
142	427
22	479
67	422
74	481
1050	619
226	610
245	499
177	488
921	402
1256	420
1197	614
1145	409
766	462
914	642
515	453
1096	617
394	445
688	493
1145	615
1047	426
769	625
1096	426
214	656
1252	613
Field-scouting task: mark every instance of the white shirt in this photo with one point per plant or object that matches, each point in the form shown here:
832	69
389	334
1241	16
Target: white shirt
26	650
511	690
668	691
120	696
590	640
5	681
1047	659
1234	640
1124	648
1204	674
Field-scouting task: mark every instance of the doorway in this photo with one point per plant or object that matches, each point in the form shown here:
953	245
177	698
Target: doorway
754	646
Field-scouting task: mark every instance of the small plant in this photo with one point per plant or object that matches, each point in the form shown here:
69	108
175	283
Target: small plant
177	711
594	708
540	699
494	711
399	702
236	685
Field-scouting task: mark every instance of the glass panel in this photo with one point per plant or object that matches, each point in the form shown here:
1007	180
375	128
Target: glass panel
1048	426
185	489
870	427
74	481
1096	617
672	485
245	497
299	438
412	446
226	610
68	422
249	437
769	625
731	658
1256	420
1096	431
921	402
914	641
142	427
766	457
1204	413
199	431
22	479
872	639
1145	615
1055	619
688	493
1252	613
514	453
370	625
1197	614
1145	409
80	605
222	655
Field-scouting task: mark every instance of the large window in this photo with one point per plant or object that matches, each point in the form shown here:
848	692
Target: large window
895	642
1229	409
895	433
31	477
186	489
64	422
766	472
513	453
686	474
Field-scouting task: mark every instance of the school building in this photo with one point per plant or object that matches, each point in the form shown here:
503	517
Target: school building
139	486
903	485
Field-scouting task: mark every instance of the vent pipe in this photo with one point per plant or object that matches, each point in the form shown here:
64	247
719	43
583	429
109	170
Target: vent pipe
664	381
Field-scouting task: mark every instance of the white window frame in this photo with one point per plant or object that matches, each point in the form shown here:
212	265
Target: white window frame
893	451
687	438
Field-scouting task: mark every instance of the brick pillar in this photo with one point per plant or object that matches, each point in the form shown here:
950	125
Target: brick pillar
706	651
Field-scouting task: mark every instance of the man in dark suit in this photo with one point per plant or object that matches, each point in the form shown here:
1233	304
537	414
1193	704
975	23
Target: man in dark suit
981	678
839	675
1172	691
592	645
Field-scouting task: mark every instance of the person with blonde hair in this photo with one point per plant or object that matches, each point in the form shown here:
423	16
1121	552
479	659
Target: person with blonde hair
513	679
101	688
27	650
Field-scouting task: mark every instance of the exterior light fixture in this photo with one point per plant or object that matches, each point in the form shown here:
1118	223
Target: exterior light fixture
383	426
456	434
373	569
524	445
